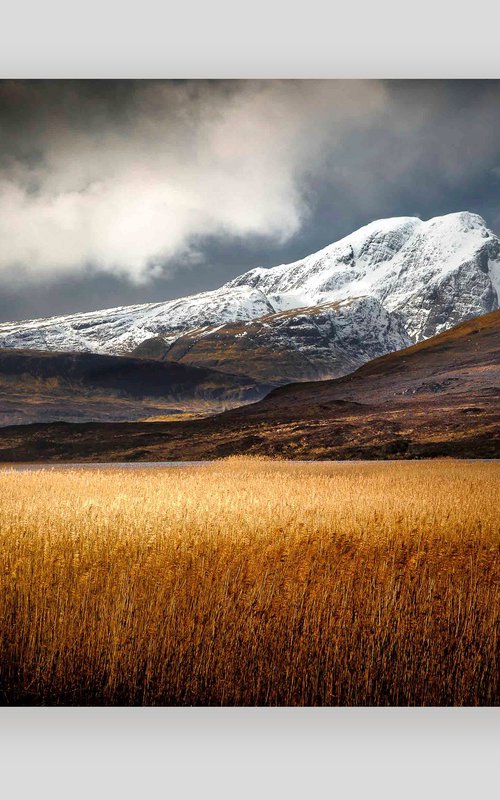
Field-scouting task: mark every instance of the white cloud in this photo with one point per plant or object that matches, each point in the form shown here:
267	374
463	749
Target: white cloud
129	193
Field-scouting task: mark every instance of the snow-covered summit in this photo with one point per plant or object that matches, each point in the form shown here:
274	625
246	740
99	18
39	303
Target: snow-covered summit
433	274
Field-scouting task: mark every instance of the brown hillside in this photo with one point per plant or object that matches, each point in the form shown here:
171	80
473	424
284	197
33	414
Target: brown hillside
437	398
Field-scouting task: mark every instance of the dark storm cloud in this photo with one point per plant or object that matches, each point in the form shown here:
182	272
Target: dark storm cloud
115	192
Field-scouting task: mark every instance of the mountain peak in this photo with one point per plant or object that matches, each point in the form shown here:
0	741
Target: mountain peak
468	219
432	274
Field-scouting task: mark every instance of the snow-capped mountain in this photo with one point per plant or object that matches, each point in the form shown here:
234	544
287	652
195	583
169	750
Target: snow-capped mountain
429	275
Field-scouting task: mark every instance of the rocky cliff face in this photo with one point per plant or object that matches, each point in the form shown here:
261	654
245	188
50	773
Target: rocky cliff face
321	341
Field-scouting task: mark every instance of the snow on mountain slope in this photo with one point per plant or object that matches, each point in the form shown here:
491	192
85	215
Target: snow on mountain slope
120	330
324	341
433	274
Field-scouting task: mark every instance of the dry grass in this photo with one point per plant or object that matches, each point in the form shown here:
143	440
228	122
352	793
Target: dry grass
251	582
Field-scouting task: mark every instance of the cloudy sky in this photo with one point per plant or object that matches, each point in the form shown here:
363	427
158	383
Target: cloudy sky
116	192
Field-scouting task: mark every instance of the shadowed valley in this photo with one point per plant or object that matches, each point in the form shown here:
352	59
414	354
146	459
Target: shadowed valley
37	386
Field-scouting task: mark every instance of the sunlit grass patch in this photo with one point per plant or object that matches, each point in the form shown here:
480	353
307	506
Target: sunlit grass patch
251	581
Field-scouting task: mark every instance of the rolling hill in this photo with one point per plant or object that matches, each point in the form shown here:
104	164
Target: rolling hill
436	398
76	387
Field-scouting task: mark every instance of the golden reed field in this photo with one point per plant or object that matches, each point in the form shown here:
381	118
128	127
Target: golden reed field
251	582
